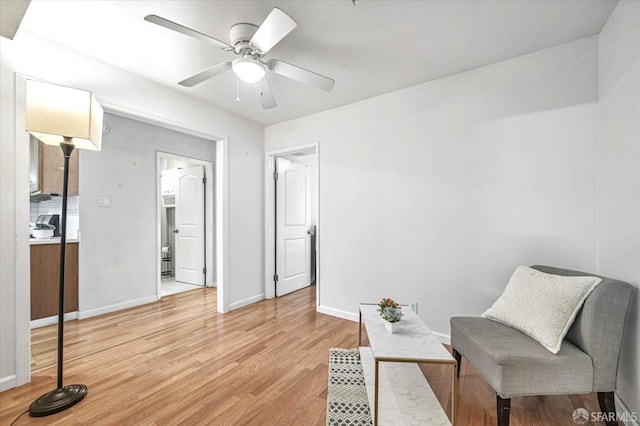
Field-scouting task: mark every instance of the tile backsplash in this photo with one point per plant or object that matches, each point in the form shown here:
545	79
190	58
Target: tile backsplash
54	206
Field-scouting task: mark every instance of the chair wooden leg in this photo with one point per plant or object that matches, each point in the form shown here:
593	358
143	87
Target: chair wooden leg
504	406
458	358
608	406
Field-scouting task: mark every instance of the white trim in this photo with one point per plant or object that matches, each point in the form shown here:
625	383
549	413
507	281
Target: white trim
222	224
158	270
339	313
246	302
115	307
154	119
22	271
8	382
43	322
445	339
269	218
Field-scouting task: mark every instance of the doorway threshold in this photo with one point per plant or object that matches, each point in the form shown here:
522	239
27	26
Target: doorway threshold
171	286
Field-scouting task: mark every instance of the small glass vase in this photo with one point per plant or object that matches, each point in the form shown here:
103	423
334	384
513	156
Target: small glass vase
392	327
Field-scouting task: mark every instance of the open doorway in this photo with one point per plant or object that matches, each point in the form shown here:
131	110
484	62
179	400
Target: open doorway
292	220
186	224
219	239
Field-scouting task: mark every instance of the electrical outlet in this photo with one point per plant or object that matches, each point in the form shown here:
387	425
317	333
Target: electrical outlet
103	201
414	306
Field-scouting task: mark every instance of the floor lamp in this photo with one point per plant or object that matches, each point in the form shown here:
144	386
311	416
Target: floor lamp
70	118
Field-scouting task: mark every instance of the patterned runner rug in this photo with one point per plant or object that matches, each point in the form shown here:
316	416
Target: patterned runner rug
347	402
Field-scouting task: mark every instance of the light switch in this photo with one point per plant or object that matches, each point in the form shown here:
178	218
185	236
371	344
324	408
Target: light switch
103	201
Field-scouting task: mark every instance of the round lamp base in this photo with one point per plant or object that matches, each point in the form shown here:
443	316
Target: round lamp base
57	400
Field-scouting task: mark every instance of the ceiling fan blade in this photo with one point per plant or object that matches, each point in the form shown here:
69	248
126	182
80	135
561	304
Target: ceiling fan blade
274	28
155	19
206	74
264	93
303	76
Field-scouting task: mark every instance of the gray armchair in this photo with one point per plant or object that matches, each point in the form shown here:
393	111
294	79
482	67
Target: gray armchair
516	365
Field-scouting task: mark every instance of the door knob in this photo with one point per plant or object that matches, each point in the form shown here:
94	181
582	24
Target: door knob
175	231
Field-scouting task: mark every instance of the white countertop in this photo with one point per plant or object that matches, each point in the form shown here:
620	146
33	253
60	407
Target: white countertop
56	240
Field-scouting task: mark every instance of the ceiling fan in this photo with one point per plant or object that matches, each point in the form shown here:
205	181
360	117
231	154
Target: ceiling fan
251	43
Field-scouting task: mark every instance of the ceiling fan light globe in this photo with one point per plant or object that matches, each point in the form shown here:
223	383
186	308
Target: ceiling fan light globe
248	70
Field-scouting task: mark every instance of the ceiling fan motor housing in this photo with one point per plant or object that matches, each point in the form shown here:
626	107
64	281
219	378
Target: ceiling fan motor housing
240	36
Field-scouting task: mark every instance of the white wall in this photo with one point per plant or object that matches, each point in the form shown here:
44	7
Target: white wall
7	222
619	176
437	192
34	56
118	259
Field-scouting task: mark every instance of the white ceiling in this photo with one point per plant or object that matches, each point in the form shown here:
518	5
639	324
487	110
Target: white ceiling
371	48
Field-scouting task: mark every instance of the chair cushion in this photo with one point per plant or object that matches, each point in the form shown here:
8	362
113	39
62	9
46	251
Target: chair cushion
514	364
541	305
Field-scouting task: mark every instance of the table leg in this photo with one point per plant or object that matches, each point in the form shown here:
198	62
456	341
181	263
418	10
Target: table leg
454	393
360	330
375	396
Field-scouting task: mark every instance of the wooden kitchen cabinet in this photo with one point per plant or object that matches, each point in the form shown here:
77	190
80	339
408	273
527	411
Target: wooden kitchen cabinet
51	171
45	267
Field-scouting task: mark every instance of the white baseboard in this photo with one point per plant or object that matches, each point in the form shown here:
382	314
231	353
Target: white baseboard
117	307
42	322
8	382
248	301
445	339
338	313
628	417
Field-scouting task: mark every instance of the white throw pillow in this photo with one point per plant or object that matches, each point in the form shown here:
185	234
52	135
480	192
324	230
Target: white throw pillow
541	305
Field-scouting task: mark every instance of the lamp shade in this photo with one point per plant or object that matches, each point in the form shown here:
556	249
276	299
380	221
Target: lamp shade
54	113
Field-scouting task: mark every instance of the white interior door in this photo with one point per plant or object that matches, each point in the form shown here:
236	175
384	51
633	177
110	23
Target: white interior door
293	221
189	253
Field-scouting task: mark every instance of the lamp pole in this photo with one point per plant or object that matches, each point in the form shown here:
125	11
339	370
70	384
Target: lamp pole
64	396
67	150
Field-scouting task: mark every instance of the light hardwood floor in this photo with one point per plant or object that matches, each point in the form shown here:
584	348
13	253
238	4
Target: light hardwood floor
178	362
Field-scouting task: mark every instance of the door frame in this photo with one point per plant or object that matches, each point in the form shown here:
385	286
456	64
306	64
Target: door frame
269	215
221	208
209	217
